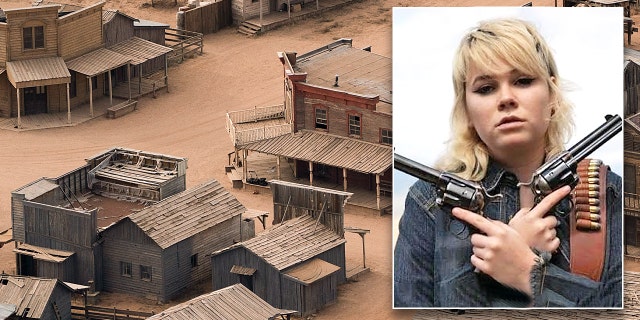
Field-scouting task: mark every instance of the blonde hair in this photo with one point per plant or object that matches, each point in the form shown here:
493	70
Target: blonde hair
518	44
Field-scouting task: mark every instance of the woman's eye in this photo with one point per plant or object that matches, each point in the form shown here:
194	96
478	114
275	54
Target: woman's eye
524	81
486	89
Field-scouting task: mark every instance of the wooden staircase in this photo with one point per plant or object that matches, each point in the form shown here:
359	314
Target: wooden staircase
249	28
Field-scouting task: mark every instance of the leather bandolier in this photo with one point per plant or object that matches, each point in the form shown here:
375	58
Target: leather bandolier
588	223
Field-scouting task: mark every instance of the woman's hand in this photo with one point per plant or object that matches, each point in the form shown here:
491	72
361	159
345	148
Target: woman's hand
500	252
536	227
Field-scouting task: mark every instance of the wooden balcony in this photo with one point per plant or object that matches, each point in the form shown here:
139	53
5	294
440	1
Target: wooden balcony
632	204
255	124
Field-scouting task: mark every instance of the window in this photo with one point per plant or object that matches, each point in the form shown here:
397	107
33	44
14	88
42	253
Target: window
321	118
145	273
125	269
94	83
354	124
385	136
33	37
630	178
194	260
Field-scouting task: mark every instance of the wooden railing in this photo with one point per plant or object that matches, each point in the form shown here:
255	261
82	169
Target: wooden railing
184	43
631	201
94	312
257	114
240	137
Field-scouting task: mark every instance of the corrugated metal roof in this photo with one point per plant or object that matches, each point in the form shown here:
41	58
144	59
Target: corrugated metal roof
97	62
7	310
38	72
358	71
631	309
632	55
140	50
233	302
292	242
337	151
36	188
43	254
312	271
187	213
27	292
150	24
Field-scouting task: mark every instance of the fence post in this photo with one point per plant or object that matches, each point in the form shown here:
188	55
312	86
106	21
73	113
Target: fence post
114	314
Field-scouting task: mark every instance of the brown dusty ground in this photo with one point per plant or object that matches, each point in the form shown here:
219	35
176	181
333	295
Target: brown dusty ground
235	72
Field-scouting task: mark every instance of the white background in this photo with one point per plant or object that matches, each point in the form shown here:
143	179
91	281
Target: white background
587	44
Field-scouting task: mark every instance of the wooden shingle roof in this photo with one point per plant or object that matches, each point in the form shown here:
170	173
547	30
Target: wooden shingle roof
292	242
187	213
140	50
38	72
97	62
233	302
358	71
332	150
631	309
311	271
27	292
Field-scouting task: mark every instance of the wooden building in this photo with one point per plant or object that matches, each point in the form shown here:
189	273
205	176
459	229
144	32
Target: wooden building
338	105
56	232
35	298
46	50
631	147
161	250
233	302
300	261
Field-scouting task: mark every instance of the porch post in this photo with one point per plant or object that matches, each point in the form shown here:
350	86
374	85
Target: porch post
378	190
129	78
244	165
260	13
140	79
344	179
90	96
318	8
18	96
289	8
166	74
68	104
278	166
310	173
110	90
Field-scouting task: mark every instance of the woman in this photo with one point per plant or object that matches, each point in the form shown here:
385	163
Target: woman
509	117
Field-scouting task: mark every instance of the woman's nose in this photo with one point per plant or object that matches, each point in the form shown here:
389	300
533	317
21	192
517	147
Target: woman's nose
507	98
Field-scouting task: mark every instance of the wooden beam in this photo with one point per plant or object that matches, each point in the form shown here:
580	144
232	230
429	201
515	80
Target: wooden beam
18	96
68	104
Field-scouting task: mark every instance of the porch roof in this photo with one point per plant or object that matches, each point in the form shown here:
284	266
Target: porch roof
97	62
332	150
43	254
140	50
312	271
38	72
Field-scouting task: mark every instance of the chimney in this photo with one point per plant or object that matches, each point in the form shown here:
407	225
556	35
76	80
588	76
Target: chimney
336	83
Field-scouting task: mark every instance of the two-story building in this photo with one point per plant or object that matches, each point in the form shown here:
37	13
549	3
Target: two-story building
334	128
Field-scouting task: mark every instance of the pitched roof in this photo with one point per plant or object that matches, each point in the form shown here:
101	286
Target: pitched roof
139	50
38	72
332	150
27	292
97	61
187	213
109	14
292	242
233	302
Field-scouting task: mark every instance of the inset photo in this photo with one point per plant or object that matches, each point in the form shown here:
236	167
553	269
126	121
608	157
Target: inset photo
508	157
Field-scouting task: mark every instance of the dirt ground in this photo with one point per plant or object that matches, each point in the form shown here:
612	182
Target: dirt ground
235	72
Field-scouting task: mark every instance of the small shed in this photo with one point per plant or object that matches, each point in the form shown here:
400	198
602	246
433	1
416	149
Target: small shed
233	302
160	251
35	298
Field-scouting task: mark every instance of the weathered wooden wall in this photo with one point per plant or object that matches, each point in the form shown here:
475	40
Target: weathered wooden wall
631	83
247	9
118	29
308	299
153	34
74	181
6	89
125	242
4	36
50	227
297	201
631	236
39	16
209	18
80	32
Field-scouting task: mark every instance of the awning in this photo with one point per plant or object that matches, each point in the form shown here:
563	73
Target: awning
312	271
253	213
97	62
38	72
43	254
140	50
332	150
245	271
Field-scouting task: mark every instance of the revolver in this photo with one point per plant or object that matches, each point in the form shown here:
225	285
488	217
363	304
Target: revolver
451	189
562	169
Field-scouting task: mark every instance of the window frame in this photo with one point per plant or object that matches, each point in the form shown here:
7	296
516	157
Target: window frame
124	267
389	136
145	273
36	39
359	125
316	118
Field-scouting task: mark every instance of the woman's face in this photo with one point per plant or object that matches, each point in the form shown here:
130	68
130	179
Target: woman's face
509	109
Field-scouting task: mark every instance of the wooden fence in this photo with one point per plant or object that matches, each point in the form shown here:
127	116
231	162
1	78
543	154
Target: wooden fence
209	18
94	312
183	43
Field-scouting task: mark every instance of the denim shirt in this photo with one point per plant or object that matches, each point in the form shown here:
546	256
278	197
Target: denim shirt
432	266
